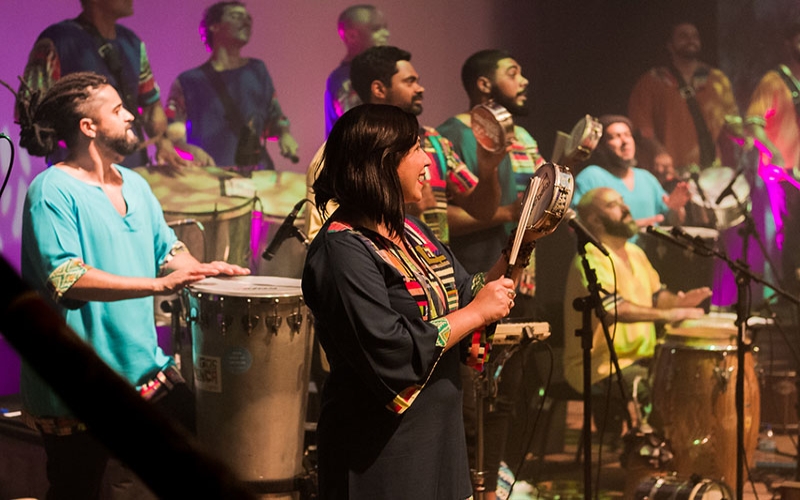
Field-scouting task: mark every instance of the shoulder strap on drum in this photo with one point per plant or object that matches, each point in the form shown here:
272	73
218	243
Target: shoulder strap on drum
235	118
708	151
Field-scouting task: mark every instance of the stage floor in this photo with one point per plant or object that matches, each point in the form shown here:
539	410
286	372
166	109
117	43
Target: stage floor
556	474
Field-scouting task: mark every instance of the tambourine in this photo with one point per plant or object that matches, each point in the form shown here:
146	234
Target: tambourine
544	204
492	125
547	198
583	139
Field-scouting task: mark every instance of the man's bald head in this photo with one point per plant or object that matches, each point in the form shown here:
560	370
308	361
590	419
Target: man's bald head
362	26
603	211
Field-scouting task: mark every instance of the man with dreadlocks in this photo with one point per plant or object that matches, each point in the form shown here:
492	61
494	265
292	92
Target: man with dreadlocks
94	241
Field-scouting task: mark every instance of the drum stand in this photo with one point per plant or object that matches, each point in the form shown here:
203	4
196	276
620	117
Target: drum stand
743	279
485	388
586	305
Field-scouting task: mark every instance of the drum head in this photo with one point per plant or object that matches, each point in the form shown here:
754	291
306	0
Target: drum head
713	181
195	192
711	332
552	197
492	126
248	286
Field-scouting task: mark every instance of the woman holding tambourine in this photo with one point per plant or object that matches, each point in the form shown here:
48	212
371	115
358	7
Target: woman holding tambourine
396	314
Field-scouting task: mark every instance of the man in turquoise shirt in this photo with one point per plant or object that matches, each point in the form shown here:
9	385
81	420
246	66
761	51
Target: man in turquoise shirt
96	244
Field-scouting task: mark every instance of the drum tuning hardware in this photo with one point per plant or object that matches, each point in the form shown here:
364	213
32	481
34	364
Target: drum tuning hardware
224	320
249	321
723	374
295	321
273	321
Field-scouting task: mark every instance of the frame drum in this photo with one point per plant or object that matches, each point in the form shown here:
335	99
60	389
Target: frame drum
252	338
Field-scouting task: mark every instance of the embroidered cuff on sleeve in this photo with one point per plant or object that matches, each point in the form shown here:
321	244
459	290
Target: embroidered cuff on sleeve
63	277
478	282
177	248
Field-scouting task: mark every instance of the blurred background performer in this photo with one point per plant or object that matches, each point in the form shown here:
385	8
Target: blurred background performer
360	27
228	106
639	301
493	75
773	120
385	75
95	42
95	242
686	105
613	164
396	313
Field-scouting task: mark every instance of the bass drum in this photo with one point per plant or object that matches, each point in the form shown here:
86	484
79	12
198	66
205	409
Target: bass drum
672	488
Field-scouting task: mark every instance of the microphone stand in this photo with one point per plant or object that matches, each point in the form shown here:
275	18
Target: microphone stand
743	278
586	305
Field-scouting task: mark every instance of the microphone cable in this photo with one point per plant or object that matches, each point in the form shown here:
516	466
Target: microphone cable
10	163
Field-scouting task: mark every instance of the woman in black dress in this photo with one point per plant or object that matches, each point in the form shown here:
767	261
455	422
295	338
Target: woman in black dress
396	314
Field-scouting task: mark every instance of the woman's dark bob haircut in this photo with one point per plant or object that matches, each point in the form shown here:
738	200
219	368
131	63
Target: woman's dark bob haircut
359	164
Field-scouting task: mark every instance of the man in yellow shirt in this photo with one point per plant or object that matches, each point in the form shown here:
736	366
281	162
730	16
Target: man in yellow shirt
640	300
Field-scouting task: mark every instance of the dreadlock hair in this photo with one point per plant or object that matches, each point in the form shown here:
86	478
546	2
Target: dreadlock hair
45	120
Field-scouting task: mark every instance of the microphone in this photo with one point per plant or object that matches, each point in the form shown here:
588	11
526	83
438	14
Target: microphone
666	236
729	188
583	234
695	177
284	232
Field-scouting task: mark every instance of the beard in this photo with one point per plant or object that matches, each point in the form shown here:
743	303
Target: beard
509	103
123	145
620	228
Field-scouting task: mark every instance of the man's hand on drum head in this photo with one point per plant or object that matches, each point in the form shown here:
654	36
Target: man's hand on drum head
181	278
692	297
678	314
227	269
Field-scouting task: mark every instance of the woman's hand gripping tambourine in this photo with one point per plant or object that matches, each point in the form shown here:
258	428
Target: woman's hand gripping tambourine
544	204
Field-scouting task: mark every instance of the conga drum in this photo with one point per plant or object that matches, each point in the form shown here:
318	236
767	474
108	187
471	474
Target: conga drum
213	226
694	398
277	194
252	338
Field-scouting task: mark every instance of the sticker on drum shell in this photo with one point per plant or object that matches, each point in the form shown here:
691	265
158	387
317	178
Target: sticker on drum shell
208	373
237	360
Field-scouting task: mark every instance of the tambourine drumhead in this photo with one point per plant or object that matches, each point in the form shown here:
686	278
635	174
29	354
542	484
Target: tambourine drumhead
584	138
552	198
492	125
248	286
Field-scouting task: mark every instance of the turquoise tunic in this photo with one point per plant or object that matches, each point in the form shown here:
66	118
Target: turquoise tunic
69	225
